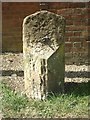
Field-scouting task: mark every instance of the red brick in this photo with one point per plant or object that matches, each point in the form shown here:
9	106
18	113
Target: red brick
77	44
79	11
67	39
76	39
15	37
67	11
68	17
58	5
16	19
69	22
11	25
80	22
68	46
76	4
14	33
79	18
52	10
78	33
15	7
88	11
75	28
61	11
9	46
73	12
76	50
70	33
88	22
85	22
88	16
85	44
88	28
85	33
11	29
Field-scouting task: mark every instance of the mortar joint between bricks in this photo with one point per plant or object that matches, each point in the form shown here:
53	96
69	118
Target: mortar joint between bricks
76	44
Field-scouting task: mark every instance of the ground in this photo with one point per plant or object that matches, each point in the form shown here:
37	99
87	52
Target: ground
12	71
11	68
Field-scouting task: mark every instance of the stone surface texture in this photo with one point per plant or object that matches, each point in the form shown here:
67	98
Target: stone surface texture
43	53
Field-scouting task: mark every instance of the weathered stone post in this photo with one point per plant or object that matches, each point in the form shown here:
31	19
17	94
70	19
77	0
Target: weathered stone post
43	53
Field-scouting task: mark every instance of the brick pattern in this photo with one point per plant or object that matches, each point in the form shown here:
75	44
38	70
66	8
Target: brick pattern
77	38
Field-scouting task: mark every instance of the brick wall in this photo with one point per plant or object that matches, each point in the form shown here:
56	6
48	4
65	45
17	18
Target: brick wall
77	38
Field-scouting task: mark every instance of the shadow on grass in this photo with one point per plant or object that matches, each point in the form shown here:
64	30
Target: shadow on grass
77	89
73	88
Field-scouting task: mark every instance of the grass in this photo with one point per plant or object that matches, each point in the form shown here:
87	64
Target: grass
71	104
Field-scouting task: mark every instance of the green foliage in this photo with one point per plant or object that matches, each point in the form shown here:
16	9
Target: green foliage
12	100
65	105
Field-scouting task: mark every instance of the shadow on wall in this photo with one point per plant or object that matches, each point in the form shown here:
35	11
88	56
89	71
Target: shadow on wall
70	74
77	89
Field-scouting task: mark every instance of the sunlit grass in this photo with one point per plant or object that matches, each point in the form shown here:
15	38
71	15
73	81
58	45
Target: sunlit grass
66	105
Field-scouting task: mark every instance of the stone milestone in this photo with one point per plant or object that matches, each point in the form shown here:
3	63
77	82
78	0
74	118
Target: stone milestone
43	54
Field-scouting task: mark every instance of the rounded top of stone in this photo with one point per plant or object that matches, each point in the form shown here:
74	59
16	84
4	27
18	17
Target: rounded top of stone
43	31
42	12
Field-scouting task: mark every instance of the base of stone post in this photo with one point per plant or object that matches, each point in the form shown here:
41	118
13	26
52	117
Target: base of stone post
46	76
